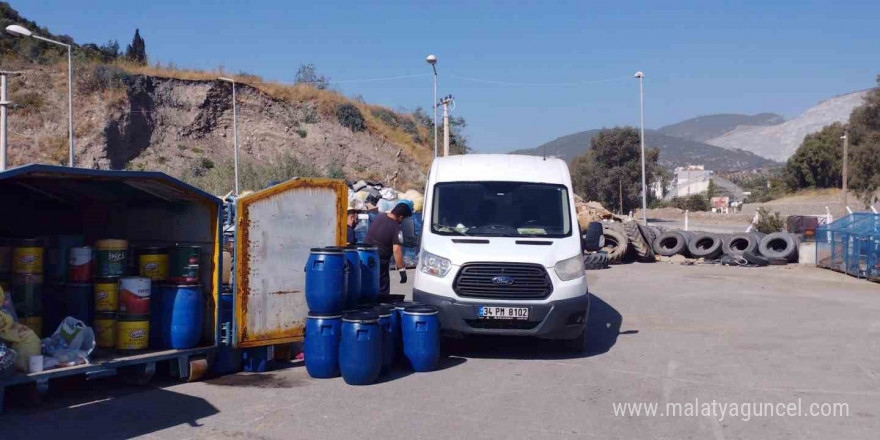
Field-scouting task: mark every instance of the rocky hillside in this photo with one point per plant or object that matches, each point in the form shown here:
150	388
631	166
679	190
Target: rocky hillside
674	151
711	126
129	117
778	142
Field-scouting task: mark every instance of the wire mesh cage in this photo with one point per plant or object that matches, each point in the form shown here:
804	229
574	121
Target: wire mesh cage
851	245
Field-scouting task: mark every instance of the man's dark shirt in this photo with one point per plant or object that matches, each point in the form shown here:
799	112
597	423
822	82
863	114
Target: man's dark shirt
384	233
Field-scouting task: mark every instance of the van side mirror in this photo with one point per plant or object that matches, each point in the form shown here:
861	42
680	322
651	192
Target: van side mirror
592	238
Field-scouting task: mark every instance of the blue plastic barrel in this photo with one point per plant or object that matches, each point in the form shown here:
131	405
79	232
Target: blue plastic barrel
369	256
326	281
353	295
228	359
182	312
360	349
156	341
421	337
389	335
396	319
321	345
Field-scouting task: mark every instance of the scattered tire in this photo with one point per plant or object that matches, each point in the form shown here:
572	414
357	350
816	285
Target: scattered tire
735	244
595	261
755	259
615	244
592	236
705	245
640	246
670	243
779	245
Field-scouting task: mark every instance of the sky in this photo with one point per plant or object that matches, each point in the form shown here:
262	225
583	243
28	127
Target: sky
522	73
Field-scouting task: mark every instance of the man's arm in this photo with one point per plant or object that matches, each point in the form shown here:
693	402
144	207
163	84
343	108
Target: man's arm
398	261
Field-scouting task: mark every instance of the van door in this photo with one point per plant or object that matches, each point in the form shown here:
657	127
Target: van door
275	229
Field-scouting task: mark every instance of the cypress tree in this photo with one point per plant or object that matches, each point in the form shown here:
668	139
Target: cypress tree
137	50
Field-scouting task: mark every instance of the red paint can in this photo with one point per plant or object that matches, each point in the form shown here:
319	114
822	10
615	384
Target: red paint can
81	265
134	296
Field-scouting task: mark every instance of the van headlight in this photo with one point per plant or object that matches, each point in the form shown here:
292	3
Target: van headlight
433	264
570	268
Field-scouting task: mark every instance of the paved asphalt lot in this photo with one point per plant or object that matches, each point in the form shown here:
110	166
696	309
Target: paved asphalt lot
661	333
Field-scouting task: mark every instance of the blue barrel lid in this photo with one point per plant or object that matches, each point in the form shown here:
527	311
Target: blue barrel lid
316	315
400	305
329	250
367	247
351	248
420	309
383	311
361	317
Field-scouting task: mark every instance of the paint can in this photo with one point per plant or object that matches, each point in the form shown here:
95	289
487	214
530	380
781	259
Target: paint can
153	263
80	265
184	261
27	257
111	257
105	329
27	295
134	296
107	295
132	332
58	256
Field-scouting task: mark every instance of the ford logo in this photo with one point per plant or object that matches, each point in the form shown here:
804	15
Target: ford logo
502	280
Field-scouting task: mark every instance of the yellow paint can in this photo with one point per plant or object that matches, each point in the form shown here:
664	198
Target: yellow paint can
27	257
105	329
133	332
106	295
153	263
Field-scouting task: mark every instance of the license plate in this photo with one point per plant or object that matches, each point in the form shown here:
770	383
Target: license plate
489	312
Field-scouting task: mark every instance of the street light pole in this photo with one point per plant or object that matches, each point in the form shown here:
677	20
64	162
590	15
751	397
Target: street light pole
641	76
234	131
845	160
24	32
4	102
432	60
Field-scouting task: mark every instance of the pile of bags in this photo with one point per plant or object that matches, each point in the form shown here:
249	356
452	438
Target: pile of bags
370	199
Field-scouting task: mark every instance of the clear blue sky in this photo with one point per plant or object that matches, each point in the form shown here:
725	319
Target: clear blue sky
699	57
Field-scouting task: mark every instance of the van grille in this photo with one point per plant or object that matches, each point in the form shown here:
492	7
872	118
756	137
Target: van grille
530	281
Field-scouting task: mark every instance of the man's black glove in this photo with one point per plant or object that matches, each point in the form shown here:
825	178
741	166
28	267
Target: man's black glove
402	273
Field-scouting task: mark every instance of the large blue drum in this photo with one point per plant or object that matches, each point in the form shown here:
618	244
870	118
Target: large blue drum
369	257
321	345
353	294
421	337
182	312
396	318
326	280
228	359
389	335
360	350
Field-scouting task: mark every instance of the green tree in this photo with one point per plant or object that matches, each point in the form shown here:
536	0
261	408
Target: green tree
711	190
136	52
817	162
610	171
307	74
864	163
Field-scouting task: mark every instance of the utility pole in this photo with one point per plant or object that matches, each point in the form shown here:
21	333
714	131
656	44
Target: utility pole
445	102
845	160
641	76
234	131
4	102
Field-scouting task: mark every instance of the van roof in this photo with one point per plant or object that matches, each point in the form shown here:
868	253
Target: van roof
500	167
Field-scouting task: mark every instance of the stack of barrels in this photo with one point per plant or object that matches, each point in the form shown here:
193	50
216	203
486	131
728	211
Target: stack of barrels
347	333
27	283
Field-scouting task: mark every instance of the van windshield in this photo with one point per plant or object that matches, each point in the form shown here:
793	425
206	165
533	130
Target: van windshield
501	209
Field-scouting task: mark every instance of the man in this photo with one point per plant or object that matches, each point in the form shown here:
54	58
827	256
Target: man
384	233
351	222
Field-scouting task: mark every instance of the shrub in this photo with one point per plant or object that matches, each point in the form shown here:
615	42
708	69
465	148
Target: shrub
310	114
301	132
334	171
30	102
253	175
350	116
386	116
99	78
769	222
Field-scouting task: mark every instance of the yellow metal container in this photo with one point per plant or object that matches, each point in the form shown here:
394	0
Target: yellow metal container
27	258
133	332
105	329
106	295
154	266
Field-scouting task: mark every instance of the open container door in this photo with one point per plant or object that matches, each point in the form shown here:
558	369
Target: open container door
276	228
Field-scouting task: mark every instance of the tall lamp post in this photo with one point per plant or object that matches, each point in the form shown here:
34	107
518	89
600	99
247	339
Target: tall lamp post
234	130
641	76
432	60
15	29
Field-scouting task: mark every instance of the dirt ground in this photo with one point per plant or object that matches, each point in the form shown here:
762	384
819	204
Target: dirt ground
660	333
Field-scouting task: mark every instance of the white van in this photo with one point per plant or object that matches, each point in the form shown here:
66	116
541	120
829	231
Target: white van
501	250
